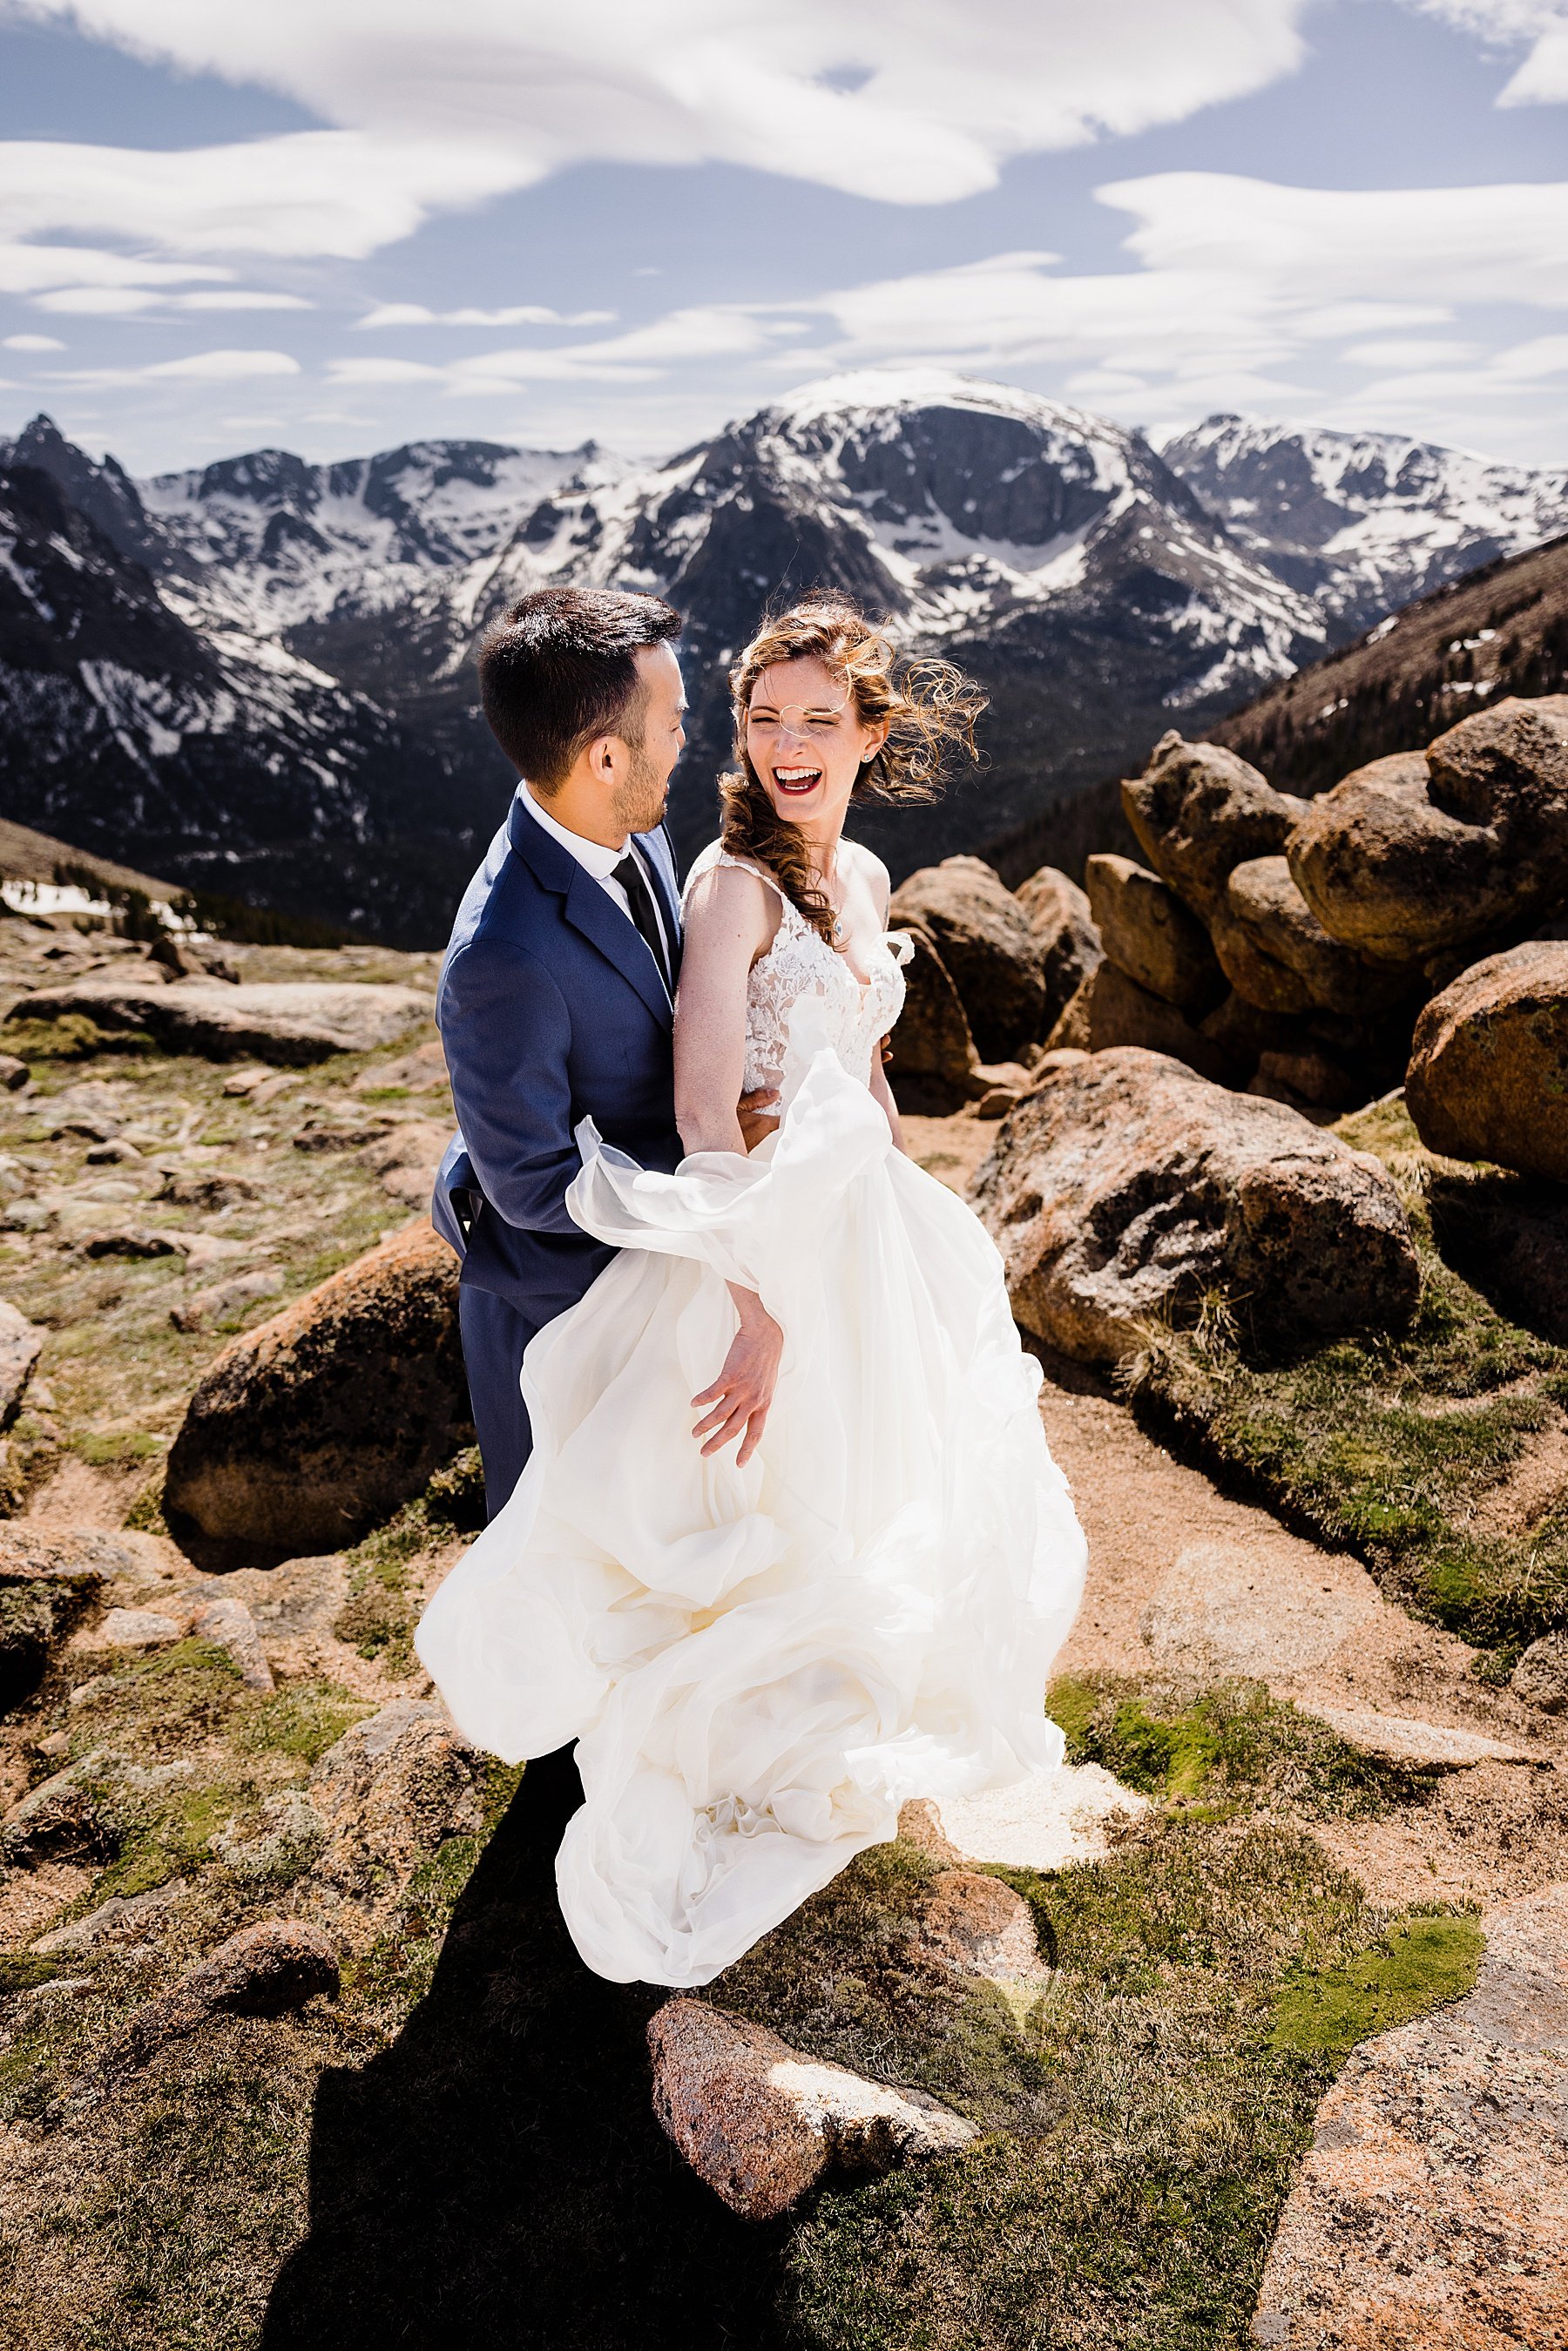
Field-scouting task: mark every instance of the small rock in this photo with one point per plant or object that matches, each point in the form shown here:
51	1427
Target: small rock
122	1917
391	1790
47	1582
986	942
996	1102
94	1128
1488	1063
283	1021
977	1923
65	1819
229	1625
13	1074
1150	934
1429	1746
1070	945
920	1825
1199	811
21	1345
761	2123
1432	2210
119	1152
225	1298
291	1839
1111	1009
129	1241
1046	1821
1126	1187
264	1970
246	1081
1541	1676
323	1135
129	1628
207	1191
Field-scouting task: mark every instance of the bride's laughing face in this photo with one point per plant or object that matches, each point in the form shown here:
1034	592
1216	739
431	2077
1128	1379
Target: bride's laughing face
807	741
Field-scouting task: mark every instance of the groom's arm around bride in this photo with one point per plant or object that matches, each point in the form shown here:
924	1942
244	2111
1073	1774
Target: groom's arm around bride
555	999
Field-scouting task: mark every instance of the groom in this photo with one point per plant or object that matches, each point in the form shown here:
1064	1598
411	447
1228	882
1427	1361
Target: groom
556	995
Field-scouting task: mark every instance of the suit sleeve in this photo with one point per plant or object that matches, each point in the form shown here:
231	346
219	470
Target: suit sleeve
507	1033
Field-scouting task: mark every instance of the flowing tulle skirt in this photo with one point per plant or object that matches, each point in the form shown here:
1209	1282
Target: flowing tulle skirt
760	1664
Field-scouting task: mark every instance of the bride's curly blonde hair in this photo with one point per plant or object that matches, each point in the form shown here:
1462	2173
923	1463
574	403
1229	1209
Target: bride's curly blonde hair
929	705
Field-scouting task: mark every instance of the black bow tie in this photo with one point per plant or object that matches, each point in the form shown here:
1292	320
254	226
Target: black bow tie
628	873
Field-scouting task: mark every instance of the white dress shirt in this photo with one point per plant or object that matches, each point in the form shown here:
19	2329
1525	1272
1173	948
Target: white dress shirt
600	862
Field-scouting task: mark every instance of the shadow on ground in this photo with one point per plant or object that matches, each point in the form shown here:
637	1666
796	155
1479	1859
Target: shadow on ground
496	2178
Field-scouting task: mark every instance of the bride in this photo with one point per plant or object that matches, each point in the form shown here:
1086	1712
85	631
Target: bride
770	1606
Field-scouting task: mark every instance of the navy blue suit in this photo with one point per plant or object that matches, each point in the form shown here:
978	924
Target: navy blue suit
551	1009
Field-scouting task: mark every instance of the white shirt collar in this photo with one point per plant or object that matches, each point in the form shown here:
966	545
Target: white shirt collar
591	855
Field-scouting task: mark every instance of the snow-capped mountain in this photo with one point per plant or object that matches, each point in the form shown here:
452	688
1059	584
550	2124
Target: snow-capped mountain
291	645
1364	522
1053	554
127	721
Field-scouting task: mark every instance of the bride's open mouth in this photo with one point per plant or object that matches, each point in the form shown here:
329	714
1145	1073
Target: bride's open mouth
797	779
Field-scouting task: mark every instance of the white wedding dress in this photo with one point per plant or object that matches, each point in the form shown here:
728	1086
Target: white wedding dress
758	1665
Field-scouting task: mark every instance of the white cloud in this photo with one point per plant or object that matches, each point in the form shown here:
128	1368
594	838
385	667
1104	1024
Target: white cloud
520	314
434	110
1542	77
195	367
32	343
1410	352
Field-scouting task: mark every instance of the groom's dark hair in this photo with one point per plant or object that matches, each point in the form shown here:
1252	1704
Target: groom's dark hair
560	668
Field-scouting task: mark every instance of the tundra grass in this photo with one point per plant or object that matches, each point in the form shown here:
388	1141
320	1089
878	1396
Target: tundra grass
1398	1448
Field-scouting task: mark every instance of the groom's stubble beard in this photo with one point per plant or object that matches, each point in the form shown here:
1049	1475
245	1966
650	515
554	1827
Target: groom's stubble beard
639	803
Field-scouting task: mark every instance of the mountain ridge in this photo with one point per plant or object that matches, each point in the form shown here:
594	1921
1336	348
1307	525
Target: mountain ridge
1072	567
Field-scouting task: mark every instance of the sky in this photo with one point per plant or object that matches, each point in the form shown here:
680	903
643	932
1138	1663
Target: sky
335	225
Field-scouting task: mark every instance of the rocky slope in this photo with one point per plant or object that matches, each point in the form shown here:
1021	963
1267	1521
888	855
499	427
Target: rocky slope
293	2048
1499	631
1364	522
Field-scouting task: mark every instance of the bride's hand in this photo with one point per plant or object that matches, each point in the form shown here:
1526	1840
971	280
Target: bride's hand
743	1391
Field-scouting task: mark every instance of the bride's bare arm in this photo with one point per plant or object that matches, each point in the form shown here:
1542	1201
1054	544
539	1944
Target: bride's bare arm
728	924
882	889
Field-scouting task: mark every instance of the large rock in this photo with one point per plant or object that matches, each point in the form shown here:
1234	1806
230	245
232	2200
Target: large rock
1277	954
934	1059
273	1020
266	1969
761	2123
1111	1009
1070	947
21	1345
1151	935
1416	854
1541	1676
307	1431
1488	1063
986	940
1199	811
1123	1188
1432	2209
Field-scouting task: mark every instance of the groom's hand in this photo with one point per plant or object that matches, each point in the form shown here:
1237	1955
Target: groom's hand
756	1118
743	1391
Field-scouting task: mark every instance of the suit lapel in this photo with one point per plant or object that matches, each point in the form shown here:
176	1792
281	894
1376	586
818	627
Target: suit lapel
590	911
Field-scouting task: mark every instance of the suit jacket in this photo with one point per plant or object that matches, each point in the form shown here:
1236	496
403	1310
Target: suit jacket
551	1009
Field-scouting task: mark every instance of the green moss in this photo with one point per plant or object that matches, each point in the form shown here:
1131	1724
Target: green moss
1420	1963
21	1970
302	1721
116	1450
1392	1445
1226	1742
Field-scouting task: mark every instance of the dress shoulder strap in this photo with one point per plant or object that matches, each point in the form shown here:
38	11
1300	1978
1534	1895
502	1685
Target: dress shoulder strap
715	854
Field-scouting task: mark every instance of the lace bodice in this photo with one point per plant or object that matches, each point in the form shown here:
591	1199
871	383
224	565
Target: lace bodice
800	963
